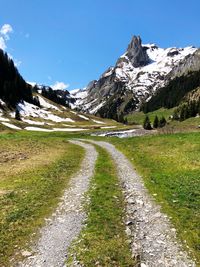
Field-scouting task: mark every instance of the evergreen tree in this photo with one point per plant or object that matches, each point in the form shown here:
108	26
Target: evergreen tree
147	123
162	122
155	122
125	121
121	118
13	88
17	115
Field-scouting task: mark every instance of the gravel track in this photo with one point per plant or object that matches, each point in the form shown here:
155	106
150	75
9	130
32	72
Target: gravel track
152	237
67	220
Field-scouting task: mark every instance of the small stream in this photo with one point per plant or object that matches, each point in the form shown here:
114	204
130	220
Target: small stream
124	133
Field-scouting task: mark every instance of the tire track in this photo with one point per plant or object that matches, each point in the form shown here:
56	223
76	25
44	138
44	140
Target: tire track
151	235
66	222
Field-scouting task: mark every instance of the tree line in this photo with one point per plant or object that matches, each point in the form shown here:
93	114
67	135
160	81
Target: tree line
157	123
187	110
13	88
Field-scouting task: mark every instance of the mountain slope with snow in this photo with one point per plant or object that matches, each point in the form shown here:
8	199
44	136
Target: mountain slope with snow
137	76
49	117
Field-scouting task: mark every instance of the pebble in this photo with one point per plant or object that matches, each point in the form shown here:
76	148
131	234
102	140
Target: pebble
26	253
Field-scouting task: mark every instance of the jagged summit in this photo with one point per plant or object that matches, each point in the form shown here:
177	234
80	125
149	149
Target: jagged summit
137	75
137	53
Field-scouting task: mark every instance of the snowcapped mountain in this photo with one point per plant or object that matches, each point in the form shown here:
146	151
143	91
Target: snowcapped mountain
137	76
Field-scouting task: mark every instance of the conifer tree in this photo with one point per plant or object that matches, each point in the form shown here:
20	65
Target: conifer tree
147	123
162	122
17	115
155	122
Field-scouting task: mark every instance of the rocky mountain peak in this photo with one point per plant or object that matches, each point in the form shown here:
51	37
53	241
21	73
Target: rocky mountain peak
137	53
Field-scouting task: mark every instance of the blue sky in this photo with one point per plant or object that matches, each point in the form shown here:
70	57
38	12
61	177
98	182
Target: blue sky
74	41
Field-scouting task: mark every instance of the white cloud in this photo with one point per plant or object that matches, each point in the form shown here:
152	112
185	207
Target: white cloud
17	62
4	35
59	86
2	43
5	30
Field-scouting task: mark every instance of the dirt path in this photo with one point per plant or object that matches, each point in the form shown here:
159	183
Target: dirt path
66	222
151	235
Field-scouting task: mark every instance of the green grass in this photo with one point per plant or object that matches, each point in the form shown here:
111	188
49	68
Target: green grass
170	166
189	125
103	241
138	117
30	187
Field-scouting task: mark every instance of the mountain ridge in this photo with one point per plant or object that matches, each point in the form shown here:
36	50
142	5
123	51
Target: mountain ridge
136	77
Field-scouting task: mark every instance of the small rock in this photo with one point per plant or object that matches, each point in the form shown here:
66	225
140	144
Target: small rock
128	231
131	201
143	265
129	223
26	253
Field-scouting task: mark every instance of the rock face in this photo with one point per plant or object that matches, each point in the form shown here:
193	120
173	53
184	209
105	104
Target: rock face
137	77
137	53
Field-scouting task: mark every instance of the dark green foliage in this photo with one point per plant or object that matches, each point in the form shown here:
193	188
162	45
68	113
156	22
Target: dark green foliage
155	122
147	123
58	96
187	110
125	120
131	105
162	122
122	101
17	115
171	95
36	101
111	110
175	115
13	88
121	118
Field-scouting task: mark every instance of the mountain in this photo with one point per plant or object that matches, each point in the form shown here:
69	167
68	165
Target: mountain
61	97
39	107
143	73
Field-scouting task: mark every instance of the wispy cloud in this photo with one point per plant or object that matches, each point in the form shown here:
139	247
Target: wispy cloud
5	30
59	86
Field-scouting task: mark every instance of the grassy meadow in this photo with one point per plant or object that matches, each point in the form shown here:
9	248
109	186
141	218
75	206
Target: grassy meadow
35	168
137	117
170	167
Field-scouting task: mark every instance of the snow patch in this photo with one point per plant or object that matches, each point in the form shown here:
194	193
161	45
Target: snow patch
108	127
3	119
99	122
45	104
29	110
29	128
33	122
2	103
12	126
83	117
68	129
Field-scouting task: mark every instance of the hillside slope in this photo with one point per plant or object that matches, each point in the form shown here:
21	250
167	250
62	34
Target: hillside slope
49	117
